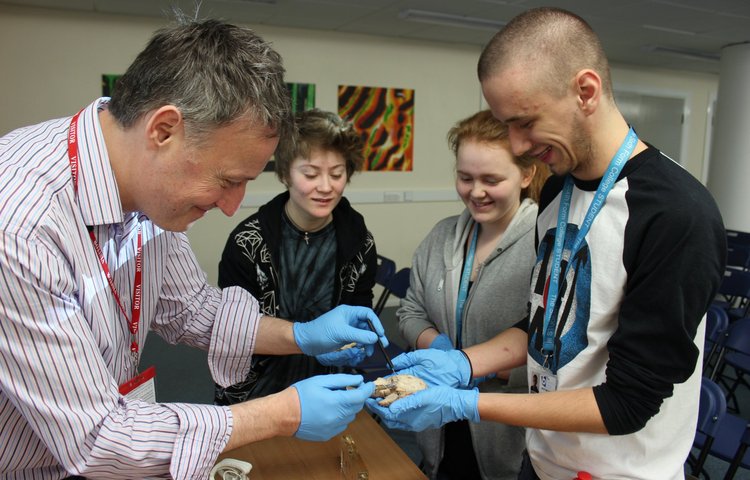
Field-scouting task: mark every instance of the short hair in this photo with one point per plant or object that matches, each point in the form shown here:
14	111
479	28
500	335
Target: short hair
482	127
214	72
321	130
556	42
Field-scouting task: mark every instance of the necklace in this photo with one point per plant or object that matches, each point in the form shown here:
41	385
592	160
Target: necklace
305	233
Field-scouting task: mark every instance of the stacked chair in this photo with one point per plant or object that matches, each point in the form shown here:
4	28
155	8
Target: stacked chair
734	291
733	361
737	237
719	434
723	432
717	325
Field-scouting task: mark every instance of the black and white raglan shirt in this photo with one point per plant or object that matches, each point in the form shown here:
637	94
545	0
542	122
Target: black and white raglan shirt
631	324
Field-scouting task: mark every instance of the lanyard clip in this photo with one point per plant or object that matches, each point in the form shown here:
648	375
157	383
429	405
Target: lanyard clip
547	359
134	355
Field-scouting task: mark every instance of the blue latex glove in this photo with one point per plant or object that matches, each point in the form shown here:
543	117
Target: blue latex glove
334	329
442	342
326	407
349	357
436	367
430	408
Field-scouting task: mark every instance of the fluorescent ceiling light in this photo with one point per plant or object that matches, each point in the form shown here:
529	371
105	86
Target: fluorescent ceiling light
684	53
449	19
659	28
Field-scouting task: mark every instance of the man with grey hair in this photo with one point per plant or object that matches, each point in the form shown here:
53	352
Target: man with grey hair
630	254
92	210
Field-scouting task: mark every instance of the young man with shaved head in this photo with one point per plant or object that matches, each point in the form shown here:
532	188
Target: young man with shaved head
630	252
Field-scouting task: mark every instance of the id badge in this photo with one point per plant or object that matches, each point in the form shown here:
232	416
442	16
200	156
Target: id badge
141	387
541	380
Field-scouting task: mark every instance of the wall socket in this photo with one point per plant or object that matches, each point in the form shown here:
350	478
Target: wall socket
393	197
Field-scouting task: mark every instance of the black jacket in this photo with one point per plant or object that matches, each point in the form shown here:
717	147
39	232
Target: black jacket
251	259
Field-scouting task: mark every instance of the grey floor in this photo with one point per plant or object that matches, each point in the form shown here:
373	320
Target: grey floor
183	376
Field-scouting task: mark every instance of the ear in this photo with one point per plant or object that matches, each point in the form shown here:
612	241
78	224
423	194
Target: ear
588	85
165	124
527	176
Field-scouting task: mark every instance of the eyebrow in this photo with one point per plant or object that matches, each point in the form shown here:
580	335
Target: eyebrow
315	167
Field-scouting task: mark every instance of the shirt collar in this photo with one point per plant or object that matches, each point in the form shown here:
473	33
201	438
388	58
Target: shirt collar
98	195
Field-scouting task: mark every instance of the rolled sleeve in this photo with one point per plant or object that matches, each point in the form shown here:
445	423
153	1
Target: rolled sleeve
233	336
203	432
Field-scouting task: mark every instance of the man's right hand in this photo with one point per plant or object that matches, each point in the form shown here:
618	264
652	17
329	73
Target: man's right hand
327	407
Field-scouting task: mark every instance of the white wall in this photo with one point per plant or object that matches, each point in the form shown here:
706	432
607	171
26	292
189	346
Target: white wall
697	89
52	62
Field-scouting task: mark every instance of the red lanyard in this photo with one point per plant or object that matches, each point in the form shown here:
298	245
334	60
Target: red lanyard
136	309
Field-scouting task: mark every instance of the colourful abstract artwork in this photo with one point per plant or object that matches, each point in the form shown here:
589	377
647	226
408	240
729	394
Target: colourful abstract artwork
385	118
303	98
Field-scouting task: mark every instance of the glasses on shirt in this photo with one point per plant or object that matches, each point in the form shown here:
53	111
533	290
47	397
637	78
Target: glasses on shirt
230	469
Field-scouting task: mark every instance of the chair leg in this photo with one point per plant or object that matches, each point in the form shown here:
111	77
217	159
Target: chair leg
698	466
736	461
692	461
732	403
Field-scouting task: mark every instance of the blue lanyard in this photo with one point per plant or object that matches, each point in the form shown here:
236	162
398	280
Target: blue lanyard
605	185
463	289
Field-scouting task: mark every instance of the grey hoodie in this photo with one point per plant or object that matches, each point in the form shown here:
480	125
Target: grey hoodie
497	300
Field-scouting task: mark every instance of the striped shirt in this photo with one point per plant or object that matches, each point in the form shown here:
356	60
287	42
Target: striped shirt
64	343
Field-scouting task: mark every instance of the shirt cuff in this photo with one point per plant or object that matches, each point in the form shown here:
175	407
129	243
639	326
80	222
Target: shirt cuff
204	431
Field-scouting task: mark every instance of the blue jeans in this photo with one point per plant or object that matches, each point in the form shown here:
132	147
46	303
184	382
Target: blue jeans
527	471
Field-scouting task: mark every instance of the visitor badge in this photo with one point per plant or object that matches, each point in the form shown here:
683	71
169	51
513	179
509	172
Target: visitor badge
141	387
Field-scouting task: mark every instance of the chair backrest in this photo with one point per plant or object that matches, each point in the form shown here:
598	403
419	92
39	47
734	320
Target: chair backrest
383	275
713	407
736	339
717	326
386	269
738	336
735	287
738	256
717	322
737	237
399	283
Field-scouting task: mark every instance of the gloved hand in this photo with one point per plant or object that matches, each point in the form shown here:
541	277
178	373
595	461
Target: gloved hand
349	357
442	342
430	408
326	407
334	329
436	367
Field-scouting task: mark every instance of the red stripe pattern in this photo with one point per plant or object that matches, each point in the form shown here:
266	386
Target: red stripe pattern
64	345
